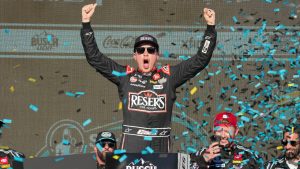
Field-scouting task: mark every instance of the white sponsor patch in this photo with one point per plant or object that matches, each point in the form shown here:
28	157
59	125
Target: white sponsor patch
205	46
158	87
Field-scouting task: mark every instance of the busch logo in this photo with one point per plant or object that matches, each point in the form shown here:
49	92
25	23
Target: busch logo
147	101
142	164
44	41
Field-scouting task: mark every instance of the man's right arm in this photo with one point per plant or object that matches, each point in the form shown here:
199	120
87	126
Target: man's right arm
95	58
98	60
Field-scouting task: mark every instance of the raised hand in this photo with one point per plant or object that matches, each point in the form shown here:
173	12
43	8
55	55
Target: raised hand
87	12
209	16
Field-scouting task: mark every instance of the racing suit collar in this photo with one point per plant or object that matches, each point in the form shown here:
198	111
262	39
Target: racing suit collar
154	69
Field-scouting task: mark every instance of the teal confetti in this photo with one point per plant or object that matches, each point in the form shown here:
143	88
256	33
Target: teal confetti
119	151
59	159
86	122
166	54
7	121
235	20
70	94
184	57
19	159
232	28
123	157
191	150
33	108
147	138
116	73
49	38
246	119
149	149
276	10
99	147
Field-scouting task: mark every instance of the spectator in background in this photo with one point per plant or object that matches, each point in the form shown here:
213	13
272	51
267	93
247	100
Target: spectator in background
291	144
9	158
105	143
223	151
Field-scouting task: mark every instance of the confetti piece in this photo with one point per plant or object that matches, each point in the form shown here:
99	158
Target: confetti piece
32	80
123	158
116	157
59	159
7	121
120	106
235	20
191	150
49	38
80	93
184	57
276	10
86	122
292	130
19	159
119	74
185	133
70	94
100	148
147	138
279	148
232	28
244	118
149	149
119	151
166	54
33	107
193	91
12	89
65	142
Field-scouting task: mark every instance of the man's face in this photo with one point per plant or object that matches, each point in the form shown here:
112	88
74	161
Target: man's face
146	56
107	147
292	145
225	132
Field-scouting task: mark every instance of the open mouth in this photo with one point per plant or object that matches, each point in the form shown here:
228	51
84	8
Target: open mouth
146	63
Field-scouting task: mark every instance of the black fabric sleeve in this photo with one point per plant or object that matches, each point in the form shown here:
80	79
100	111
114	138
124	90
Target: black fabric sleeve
189	68
96	59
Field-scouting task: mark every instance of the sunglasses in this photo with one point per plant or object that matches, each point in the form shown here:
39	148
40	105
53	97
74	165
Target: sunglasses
291	142
141	50
110	144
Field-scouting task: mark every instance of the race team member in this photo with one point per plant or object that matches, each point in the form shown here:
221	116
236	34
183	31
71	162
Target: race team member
147	93
223	152
291	157
9	158
105	142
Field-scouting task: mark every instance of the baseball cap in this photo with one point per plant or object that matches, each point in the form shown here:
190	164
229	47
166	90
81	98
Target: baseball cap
105	135
226	118
146	38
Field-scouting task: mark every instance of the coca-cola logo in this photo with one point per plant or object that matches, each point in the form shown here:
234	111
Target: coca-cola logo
147	101
112	42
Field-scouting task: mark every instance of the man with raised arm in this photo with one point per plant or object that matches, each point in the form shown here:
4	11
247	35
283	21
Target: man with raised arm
147	93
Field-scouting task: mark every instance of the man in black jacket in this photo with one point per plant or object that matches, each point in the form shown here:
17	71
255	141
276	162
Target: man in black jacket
105	143
147	93
291	145
223	151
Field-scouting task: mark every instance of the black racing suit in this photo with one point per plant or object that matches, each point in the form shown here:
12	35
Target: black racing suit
147	97
10	158
236	158
279	163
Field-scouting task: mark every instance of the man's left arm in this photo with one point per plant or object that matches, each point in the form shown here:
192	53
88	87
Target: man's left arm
189	68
